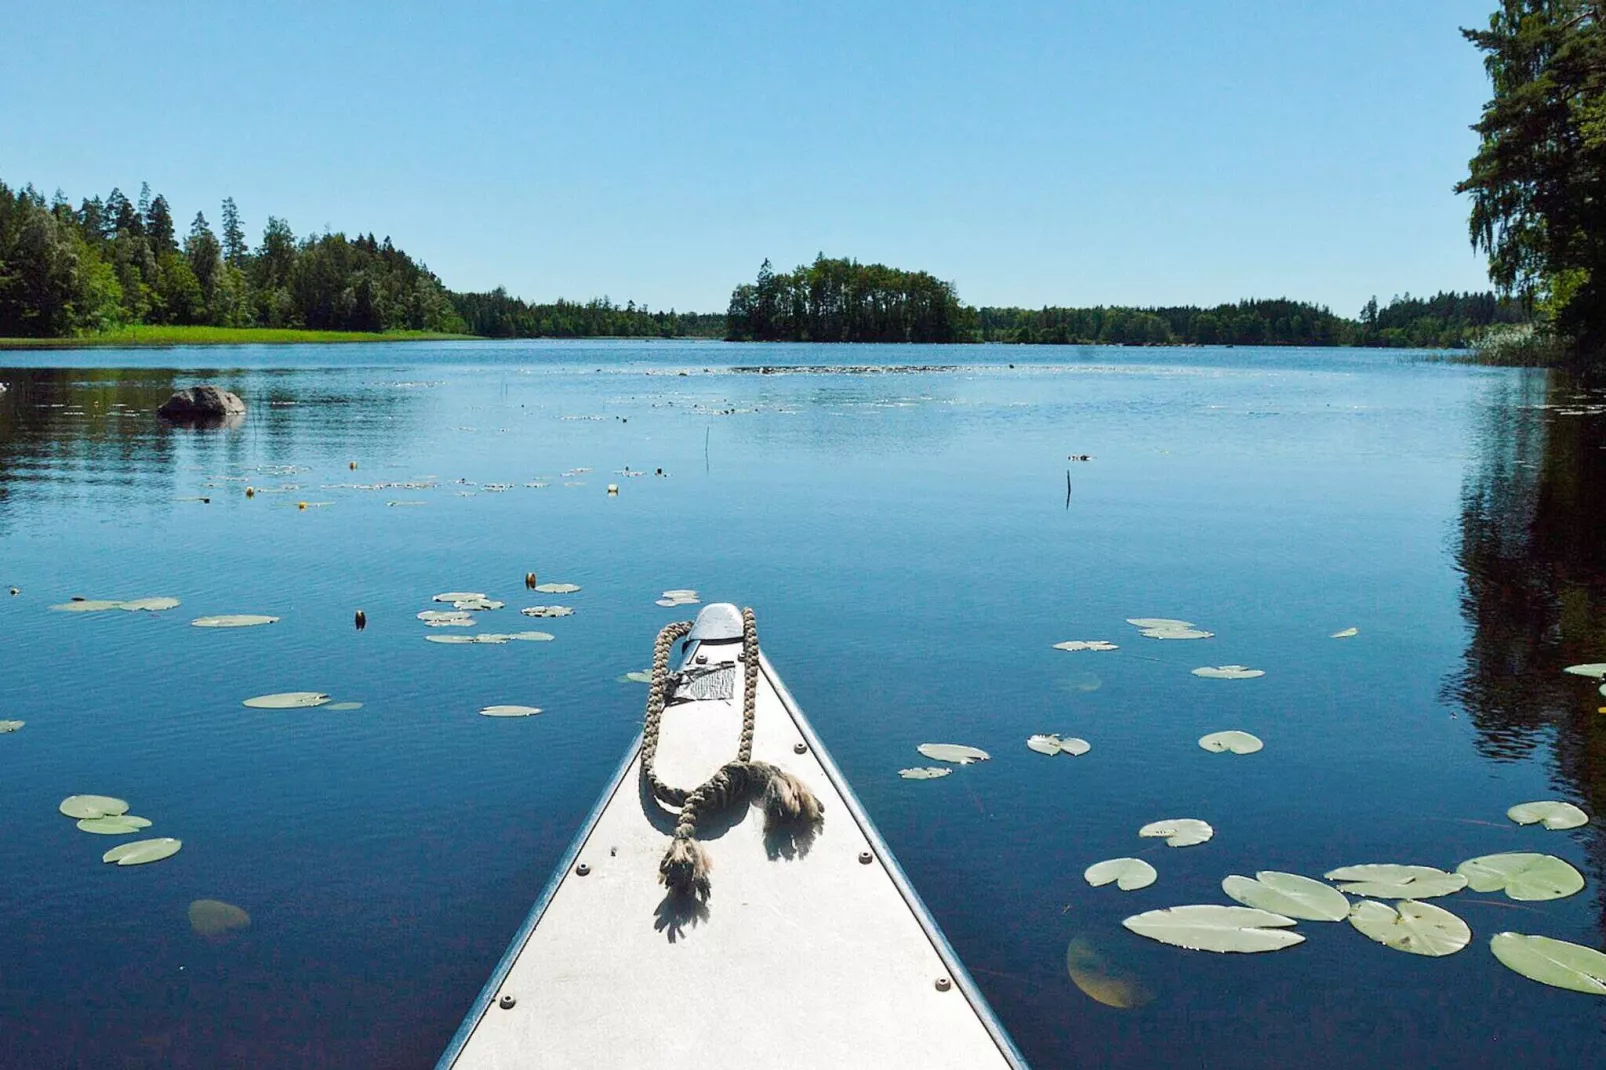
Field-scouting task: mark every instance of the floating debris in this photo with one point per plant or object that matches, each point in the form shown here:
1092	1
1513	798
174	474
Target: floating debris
1233	741
1522	875
1128	874
236	620
140	852
287	700
1557	963
1419	928
1179	831
1392	881
957	753
1552	813
1288	893
1207	927
927	773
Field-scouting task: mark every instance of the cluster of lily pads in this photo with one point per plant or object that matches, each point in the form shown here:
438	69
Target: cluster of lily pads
106	816
101	605
298	700
679	596
1273	903
466	604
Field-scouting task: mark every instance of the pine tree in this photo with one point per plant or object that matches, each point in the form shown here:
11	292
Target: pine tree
234	249
159	226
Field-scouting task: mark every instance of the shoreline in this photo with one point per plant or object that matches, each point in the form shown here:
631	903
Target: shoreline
144	337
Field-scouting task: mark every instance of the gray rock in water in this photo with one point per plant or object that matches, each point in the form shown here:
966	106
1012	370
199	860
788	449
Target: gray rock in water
203	405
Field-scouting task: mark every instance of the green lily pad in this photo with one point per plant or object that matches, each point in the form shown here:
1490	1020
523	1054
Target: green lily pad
233	620
1086	644
557	588
431	616
636	678
476	605
10	726
1176	633
142	851
1387	880
80	807
114	824
87	605
1551	813
459	596
1208	927
150	605
547	611
452	638
927	773
343	707
287	700
510	711
957	753
1419	928
1288	893
1552	962
1233	741
1053	744
1179	831
1522	875
1347	633
1128	874
213	917
1596	670
1162	623
1228	672
529	637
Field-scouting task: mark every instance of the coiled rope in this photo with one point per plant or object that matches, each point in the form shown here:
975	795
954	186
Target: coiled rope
685	866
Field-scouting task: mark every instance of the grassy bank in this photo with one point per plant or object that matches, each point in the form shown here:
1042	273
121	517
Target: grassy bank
219	336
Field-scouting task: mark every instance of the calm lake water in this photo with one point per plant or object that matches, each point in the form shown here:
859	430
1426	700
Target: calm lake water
907	542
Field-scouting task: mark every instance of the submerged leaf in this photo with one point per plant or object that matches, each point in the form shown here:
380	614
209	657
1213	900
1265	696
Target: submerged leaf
1552	962
1387	880
213	917
1129	874
234	620
1419	928
86	605
510	711
142	851
1347	633
114	824
1179	831
927	773
1551	813
1234	741
91	806
1086	644
1208	927
1228	672
1522	875
1098	980
1288	893
287	700
957	753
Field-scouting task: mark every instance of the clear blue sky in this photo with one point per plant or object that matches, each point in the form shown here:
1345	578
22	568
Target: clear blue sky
1140	152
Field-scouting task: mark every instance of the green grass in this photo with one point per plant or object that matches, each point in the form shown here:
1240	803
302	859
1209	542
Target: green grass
219	336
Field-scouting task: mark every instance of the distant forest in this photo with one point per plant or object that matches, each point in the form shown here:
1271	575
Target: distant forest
110	262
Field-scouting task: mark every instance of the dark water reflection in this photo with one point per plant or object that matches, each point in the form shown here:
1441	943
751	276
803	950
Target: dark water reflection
906	541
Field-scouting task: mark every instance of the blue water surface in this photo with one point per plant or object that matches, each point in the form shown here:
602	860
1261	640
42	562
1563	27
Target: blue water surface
914	538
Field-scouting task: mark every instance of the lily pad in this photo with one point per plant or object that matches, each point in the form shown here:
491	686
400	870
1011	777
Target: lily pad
91	806
1387	880
1074	746
1179	831
521	637
465	621
1552	962
928	773
1347	633
477	605
1419	928
636	678
213	917
1596	670
557	588
10	726
957	753
1288	893
1099	980
114	824
233	620
1086	644
547	611
510	711
1233	741
1551	813
1129	874
452	638
142	851
433	615
150	605
87	605
287	700
1162	623
1208	927
459	596
1522	875
1176	633
1228	672
343	707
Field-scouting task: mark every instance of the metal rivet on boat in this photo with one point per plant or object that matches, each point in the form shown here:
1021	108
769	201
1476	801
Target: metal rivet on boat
582	869
866	857
800	748
701	659
943	984
506	1003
